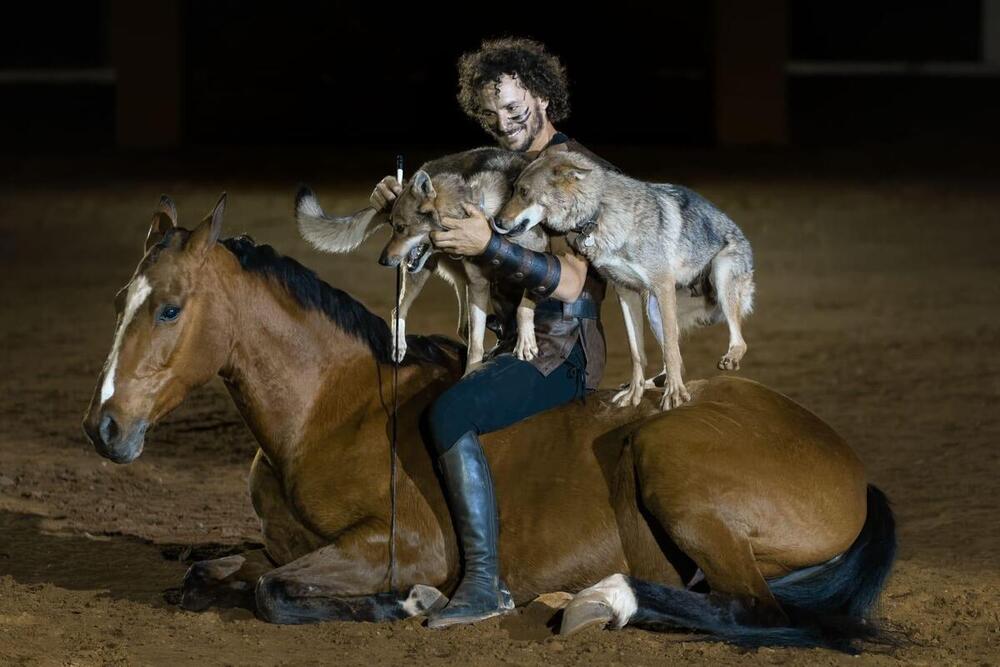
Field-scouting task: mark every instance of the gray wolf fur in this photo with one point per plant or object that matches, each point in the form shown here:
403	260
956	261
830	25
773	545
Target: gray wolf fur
661	241
482	177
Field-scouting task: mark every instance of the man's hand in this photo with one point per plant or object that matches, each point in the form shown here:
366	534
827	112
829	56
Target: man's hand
384	194
464	236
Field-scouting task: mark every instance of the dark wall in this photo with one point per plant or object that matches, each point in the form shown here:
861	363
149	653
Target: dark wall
314	72
323	73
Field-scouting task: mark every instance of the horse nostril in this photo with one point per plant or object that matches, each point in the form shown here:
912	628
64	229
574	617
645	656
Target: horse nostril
109	429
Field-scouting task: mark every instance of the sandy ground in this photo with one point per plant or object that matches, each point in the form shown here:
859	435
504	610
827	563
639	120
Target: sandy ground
877	308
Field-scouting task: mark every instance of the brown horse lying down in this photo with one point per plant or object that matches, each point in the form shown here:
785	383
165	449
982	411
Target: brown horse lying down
741	485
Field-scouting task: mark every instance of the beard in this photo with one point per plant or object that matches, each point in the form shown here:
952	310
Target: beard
525	132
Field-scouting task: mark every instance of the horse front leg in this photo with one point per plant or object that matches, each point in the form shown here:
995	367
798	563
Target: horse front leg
224	582
338	583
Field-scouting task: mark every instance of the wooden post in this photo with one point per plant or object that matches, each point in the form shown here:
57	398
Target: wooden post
146	55
750	51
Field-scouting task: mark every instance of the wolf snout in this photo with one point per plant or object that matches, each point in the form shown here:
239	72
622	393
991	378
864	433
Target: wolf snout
386	259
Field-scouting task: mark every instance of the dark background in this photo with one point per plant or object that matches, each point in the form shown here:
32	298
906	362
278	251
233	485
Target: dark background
370	74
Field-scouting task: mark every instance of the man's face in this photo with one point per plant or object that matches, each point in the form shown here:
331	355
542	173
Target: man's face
510	113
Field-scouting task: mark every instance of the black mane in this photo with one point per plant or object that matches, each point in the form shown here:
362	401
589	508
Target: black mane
311	292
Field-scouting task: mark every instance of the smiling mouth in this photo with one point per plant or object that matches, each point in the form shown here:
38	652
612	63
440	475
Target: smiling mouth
416	257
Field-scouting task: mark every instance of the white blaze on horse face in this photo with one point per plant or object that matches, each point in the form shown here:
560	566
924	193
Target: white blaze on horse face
137	293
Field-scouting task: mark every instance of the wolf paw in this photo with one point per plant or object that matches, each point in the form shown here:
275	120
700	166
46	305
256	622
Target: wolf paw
674	396
629	394
731	360
526	348
398	341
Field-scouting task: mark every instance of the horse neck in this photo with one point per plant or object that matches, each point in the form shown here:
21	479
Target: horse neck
285	360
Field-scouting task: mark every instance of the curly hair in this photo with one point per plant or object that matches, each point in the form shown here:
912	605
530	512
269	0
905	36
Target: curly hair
539	71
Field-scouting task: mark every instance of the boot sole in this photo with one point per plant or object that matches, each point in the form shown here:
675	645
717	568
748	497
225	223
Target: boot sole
439	623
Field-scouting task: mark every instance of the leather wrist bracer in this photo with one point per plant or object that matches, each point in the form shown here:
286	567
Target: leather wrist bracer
538	272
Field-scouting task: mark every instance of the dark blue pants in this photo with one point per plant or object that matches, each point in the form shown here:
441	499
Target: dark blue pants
504	390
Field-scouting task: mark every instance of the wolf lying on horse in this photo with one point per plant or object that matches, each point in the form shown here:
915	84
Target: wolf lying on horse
623	506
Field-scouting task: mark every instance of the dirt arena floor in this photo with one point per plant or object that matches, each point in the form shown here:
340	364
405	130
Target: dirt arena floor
877	309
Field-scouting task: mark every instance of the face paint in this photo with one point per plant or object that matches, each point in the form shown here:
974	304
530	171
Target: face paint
510	113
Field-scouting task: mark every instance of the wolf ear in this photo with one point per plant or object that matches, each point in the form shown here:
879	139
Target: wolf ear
204	237
164	219
422	185
570	171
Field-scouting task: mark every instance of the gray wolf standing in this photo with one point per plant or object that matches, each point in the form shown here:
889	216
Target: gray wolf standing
481	177
651	239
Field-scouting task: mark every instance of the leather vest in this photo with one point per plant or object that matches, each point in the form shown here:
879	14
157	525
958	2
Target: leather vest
558	325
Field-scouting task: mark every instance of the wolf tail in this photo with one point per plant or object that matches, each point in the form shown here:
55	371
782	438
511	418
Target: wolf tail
828	605
330	233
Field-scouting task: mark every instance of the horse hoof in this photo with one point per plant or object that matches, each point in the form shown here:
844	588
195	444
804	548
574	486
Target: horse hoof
424	600
579	615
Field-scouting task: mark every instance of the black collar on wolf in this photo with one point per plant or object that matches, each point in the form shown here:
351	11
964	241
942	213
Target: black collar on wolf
588	226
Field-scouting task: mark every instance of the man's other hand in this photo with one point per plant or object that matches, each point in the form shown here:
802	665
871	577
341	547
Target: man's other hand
384	194
464	236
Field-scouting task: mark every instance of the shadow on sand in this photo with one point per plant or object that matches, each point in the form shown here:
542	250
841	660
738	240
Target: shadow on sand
123	566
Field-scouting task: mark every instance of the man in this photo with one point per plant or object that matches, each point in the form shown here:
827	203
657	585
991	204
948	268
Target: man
516	90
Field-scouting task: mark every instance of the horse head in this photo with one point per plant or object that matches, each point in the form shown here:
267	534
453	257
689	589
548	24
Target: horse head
172	333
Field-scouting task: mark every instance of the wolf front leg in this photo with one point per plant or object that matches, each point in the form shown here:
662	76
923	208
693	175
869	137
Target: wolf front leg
413	284
479	299
674	391
526	348
631	304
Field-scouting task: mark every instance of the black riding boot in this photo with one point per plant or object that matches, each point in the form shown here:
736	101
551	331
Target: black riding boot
474	512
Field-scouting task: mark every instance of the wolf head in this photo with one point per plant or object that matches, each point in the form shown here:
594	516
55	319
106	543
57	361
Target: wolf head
560	188
417	212
425	200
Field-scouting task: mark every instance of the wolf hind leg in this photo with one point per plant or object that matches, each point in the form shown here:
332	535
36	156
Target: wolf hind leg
734	289
692	312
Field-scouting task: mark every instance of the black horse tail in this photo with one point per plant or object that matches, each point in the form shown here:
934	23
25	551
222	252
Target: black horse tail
849	587
829	605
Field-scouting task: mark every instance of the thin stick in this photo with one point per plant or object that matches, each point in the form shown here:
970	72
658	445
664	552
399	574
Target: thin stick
395	410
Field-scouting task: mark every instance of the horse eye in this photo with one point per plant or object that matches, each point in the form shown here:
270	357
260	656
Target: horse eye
168	313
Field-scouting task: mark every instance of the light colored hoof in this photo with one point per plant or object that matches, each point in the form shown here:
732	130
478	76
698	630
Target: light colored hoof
554	601
581	614
424	600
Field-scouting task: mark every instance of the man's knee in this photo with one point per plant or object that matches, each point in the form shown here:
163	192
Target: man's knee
448	420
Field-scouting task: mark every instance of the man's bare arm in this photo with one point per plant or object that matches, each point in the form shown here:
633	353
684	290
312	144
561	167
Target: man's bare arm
572	277
562	278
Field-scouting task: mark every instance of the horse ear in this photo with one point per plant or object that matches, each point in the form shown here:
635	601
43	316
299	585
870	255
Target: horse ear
422	185
204	237
167	206
164	219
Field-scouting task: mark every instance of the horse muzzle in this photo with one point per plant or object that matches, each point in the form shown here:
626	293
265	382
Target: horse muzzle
113	439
